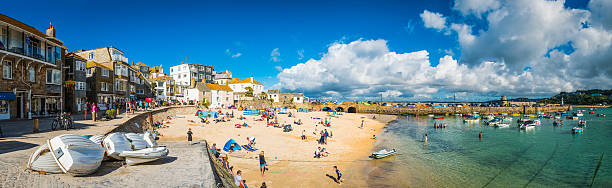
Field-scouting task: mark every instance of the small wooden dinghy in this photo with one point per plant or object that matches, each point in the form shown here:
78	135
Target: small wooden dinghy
383	153
42	161
144	155
501	125
116	143
76	155
137	140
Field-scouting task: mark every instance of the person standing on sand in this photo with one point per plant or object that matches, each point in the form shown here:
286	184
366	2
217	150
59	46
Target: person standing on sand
238	179
362	124
425	138
303	134
262	163
189	133
338	174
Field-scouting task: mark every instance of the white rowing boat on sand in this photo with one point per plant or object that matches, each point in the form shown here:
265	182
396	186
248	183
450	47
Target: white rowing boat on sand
116	143
150	139
42	160
137	141
144	155
75	154
383	153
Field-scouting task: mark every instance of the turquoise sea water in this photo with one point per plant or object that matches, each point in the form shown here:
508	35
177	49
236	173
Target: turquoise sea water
547	156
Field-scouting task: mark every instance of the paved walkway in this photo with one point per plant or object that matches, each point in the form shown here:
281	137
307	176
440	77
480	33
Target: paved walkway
19	142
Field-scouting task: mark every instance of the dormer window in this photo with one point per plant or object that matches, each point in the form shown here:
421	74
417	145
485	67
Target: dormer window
90	55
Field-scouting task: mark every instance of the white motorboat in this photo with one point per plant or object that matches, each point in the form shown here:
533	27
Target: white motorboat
502	125
150	139
383	153
76	155
137	141
42	160
527	126
116	143
144	155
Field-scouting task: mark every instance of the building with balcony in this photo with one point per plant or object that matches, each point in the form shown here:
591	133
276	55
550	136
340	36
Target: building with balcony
186	73
75	87
31	63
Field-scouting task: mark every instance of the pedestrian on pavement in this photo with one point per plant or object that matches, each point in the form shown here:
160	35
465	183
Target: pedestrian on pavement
189	138
94	111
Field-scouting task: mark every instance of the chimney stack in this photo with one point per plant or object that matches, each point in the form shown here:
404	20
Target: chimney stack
251	78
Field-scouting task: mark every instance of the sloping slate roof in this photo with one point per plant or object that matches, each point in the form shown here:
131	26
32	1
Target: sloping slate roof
219	87
92	63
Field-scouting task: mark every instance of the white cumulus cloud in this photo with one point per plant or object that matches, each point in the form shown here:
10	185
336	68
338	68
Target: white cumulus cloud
433	20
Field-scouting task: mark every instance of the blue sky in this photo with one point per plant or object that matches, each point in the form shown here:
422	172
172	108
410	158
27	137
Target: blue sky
242	35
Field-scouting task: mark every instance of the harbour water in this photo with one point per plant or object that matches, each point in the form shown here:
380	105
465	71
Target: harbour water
547	156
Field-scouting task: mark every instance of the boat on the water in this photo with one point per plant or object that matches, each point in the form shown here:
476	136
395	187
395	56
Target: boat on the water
115	143
578	114
42	161
144	155
502	125
577	130
527	126
438	117
76	155
383	153
582	123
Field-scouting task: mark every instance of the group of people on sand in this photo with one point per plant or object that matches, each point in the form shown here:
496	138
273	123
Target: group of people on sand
324	136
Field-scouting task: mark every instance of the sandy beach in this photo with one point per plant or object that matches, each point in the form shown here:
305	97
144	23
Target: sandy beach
290	159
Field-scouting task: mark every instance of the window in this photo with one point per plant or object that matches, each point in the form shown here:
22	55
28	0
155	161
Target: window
207	77
80	86
3	106
117	69
89	72
103	86
50	55
90	55
140	91
32	74
117	85
7	70
105	72
3	36
54	77
15	41
58	54
79	66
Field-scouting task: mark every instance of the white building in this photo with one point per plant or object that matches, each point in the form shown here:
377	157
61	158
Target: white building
191	94
164	88
239	85
223	78
218	96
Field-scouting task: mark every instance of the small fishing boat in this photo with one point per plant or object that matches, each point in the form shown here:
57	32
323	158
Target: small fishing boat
116	143
144	155
383	153
582	123
577	130
527	126
489	117
76	155
530	116
438	117
516	114
430	115
578	114
502	125
42	161
494	122
508	119
471	120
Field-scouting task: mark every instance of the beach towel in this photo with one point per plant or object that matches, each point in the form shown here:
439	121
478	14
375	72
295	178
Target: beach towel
248	147
229	143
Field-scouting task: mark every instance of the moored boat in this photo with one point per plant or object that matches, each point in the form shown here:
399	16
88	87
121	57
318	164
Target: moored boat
502	125
577	130
383	153
75	154
438	117
144	155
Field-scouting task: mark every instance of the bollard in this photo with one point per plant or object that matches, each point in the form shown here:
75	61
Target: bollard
35	128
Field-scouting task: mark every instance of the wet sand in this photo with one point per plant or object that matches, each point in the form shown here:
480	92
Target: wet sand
290	159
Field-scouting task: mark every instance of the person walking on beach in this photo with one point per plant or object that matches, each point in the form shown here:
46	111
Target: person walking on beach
262	163
362	124
189	133
425	139
303	134
338	174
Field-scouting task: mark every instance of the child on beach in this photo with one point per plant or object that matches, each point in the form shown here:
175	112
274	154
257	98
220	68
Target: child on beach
262	163
238	180
303	134
338	174
189	133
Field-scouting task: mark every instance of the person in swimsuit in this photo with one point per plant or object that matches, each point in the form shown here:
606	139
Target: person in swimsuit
338	174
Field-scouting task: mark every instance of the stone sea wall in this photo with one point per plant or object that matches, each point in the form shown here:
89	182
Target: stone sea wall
373	109
141	123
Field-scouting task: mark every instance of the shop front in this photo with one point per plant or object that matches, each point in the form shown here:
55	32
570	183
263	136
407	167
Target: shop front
5	100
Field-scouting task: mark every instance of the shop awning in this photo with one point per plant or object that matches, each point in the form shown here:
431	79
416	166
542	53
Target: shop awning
7	96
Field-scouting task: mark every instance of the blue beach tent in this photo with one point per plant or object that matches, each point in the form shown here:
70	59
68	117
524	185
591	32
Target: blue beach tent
229	143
